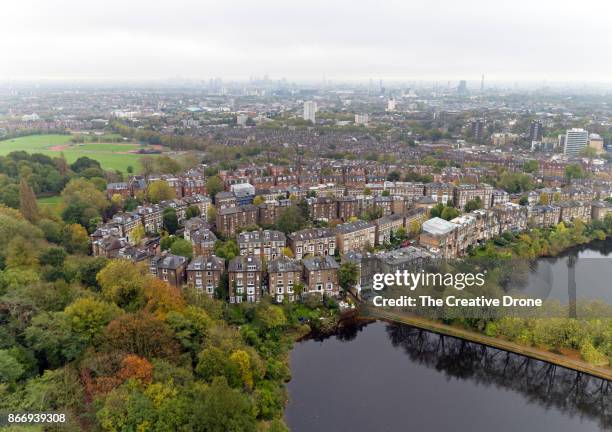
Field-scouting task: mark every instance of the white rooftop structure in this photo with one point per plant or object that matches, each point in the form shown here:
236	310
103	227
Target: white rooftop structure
438	226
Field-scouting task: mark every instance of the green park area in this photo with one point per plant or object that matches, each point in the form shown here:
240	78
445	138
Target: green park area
112	156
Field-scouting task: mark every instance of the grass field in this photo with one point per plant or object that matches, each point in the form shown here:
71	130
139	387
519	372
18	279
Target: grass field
51	203
110	155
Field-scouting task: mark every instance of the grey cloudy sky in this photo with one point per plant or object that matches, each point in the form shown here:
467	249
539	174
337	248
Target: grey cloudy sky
309	39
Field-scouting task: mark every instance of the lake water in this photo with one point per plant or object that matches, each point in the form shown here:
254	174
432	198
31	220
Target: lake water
392	377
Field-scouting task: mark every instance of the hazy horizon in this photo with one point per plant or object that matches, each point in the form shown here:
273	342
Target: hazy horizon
522	41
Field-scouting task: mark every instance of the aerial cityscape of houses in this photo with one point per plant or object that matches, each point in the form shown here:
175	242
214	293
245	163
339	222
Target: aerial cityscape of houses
375	174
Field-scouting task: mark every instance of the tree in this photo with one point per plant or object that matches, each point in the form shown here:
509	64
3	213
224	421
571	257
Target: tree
162	298
142	334
27	201
214	185
20	254
393	176
182	247
75	239
122	283
83	201
159	191
348	275
134	367
84	163
212	213
372	213
170	220
258	200
87	317
192	211
588	152
227	250
53	256
137	234
222	408
10	368
290	220
531	166
574	171
474	204
148	165
167	165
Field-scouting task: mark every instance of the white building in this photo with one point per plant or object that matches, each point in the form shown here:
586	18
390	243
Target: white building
310	110
575	140
241	119
391	104
362	119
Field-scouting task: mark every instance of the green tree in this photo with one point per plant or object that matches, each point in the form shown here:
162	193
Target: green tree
290	220
223	409
474	204
214	185
159	190
87	317
10	369
348	275
170	220
122	282
574	171
182	247
192	211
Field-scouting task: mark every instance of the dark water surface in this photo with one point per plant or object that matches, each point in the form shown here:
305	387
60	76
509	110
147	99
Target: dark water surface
393	377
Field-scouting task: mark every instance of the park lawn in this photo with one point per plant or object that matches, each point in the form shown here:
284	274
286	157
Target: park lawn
50	200
52	203
108	160
32	142
110	147
110	155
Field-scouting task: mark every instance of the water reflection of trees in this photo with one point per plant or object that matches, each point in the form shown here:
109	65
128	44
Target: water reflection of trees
572	392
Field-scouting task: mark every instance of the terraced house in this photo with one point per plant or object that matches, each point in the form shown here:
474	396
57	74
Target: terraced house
230	220
245	276
321	276
355	236
204	273
169	268
283	275
313	241
265	244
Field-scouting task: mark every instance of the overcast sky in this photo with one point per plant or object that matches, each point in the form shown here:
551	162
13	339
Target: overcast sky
555	40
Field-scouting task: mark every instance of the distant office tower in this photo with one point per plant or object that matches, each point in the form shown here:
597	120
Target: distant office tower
535	131
391	104
477	129
310	110
482	84
362	119
462	89
575	140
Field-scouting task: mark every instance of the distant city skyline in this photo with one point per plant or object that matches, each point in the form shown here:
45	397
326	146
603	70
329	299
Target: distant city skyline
343	40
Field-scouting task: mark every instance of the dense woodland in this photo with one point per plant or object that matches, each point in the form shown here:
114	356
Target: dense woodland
113	347
117	349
